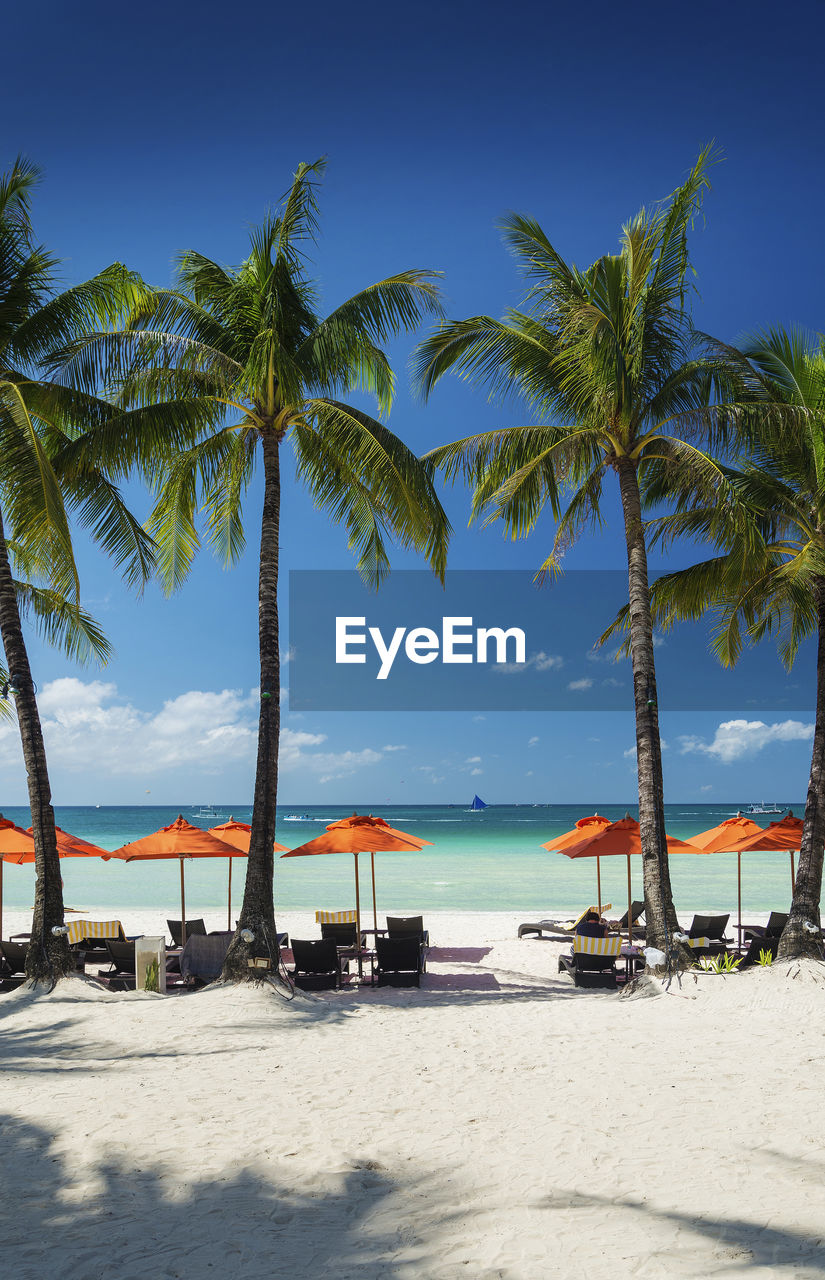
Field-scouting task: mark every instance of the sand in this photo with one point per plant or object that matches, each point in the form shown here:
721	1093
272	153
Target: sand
496	1123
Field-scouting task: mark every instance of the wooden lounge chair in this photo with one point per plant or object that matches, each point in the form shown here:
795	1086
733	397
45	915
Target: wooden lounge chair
592	962
399	962
773	929
317	964
193	928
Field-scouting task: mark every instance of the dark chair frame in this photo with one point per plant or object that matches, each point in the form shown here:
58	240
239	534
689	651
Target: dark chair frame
317	965
12	964
590	971
773	929
122	973
175	928
399	962
343	935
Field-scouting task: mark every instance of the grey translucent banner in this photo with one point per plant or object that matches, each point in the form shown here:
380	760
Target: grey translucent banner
496	641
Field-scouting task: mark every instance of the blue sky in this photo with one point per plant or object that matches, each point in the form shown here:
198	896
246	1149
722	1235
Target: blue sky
161	128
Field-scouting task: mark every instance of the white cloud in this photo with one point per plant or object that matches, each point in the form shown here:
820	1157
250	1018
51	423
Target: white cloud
612	683
706	788
473	760
474	773
478	719
737	739
541	661
88	729
400	747
533	741
576	686
529	773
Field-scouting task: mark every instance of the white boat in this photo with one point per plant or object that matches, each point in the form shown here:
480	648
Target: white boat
206	811
296	817
764	808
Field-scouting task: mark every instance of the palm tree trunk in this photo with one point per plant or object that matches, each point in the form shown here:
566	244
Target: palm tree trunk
796	940
660	915
48	956
257	912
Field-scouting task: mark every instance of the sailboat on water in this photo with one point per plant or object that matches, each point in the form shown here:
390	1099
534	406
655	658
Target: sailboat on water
477	805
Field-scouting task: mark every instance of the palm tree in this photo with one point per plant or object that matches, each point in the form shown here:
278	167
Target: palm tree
606	357
766	518
46	470
242	354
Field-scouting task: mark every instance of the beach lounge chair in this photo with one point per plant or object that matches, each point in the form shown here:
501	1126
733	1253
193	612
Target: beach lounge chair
408	927
637	910
399	962
120	976
592	962
711	929
773	929
202	958
317	964
193	928
755	948
560	930
87	938
12	964
343	935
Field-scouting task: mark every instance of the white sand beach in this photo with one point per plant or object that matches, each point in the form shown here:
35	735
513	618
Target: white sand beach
497	1124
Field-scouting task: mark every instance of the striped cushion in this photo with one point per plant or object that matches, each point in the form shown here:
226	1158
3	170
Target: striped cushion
80	929
335	917
698	942
611	946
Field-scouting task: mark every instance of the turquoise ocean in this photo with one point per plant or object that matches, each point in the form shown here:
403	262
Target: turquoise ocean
486	861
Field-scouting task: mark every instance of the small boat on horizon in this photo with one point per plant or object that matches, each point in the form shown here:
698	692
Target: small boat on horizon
297	817
207	811
477	805
764	808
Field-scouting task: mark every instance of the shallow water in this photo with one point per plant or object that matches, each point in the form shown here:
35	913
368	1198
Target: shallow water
487	861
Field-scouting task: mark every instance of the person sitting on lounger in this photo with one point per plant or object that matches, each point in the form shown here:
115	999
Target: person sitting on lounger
591	925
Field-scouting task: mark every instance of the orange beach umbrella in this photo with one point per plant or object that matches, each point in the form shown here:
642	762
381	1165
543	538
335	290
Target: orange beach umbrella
783	835
723	839
179	840
622	838
17	845
589	826
361	833
238	835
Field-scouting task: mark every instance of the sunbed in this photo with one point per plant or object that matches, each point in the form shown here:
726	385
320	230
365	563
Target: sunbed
773	929
563	928
592	962
317	963
711	931
398	962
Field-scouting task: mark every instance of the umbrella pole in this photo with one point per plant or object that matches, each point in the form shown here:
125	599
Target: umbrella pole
793	877
739	893
599	883
629	904
357	914
229	899
1	897
182	907
374	908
